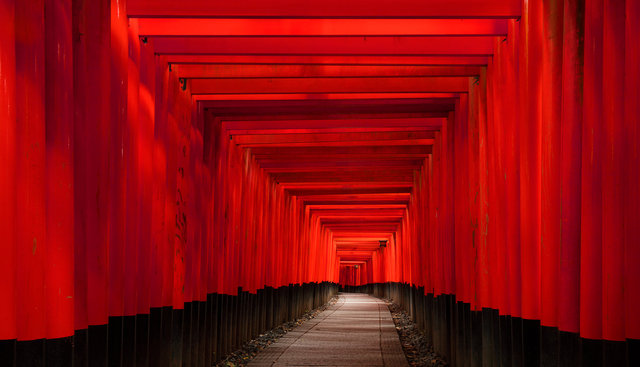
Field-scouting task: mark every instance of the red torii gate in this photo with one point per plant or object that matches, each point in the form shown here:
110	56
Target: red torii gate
156	156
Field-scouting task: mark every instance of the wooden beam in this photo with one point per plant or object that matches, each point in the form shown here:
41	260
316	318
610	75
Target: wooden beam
329	85
385	60
318	27
326	8
315	71
345	45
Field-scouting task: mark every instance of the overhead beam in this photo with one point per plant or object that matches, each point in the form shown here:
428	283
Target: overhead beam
361	197
354	255
363	175
326	8
329	85
340	235
388	142
360	219
318	27
390	60
345	45
356	262
345	138
357	246
344	160
365	151
356	206
331	123
345	187
367	212
390	227
315	71
305	190
328	109
347	259
338	166
373	225
356	203
368	226
235	132
316	96
342	107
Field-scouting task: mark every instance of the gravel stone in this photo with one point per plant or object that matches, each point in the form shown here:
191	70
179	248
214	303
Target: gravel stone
414	341
250	349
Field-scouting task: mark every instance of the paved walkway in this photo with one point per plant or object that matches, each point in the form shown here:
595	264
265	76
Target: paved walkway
357	331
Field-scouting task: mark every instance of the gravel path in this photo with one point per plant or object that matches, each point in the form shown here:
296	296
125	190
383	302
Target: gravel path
357	331
417	350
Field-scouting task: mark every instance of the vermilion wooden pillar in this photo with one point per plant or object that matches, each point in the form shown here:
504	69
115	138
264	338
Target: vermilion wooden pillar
30	182
132	195
592	154
158	350
496	154
221	146
171	272
59	117
122	206
512	151
551	189
146	110
91	176
613	163
173	246
117	174
134	171
448	228
632	176
8	155
474	199
571	142
480	196
83	190
462	215
132	139
530	143
95	25
492	170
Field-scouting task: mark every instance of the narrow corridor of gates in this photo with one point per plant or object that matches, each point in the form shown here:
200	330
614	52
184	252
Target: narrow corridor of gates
177	177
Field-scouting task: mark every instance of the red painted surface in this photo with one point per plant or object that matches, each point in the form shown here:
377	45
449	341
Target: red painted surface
631	195
132	140
330	8
8	144
318	27
30	171
59	270
155	153
571	150
591	185
327	45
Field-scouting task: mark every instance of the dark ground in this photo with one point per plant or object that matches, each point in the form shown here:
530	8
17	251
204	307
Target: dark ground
414	342
249	350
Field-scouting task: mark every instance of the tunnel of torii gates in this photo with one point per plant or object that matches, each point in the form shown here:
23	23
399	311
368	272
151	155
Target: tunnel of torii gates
178	176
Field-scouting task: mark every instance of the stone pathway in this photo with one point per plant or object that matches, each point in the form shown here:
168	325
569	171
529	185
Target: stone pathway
357	331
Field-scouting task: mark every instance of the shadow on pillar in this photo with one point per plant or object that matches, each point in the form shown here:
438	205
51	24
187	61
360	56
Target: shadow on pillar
201	334
486	338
